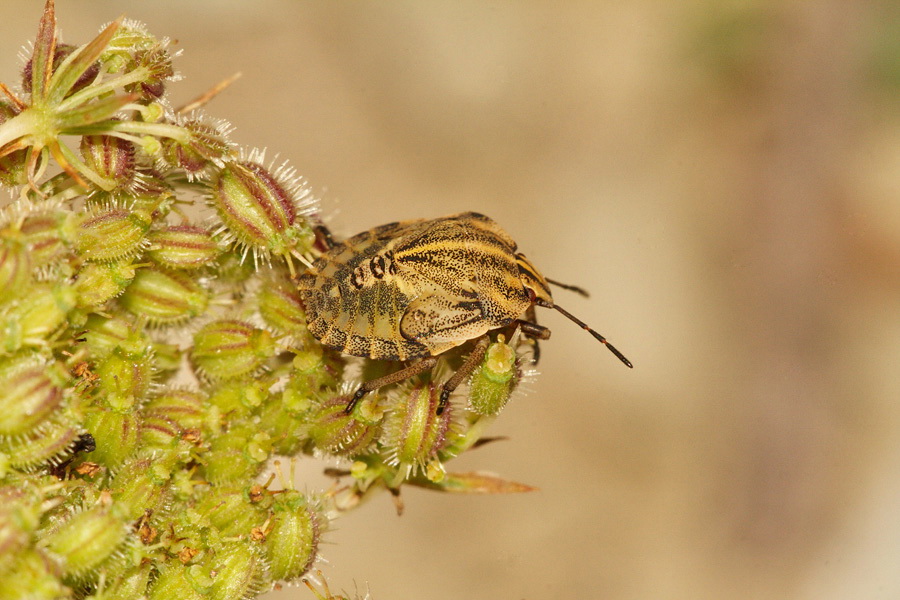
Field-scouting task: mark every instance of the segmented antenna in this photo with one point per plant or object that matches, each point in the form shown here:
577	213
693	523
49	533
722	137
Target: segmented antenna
584	326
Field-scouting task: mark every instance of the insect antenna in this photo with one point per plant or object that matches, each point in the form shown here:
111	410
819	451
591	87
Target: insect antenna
584	326
572	288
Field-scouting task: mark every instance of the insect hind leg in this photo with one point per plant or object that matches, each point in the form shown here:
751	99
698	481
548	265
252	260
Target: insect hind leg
395	377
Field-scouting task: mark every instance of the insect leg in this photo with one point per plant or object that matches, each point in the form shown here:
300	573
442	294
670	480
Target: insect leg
323	234
534	331
404	373
475	357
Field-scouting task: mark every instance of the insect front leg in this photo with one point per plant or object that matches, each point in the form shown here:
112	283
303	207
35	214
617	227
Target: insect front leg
473	360
323	235
535	332
405	373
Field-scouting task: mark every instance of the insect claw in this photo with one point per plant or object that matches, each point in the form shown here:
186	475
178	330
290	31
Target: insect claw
442	403
355	400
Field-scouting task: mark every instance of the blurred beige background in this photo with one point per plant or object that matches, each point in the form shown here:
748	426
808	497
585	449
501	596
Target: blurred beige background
723	176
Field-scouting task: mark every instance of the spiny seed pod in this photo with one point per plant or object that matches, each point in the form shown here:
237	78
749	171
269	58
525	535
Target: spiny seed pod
239	399
284	417
87	539
49	233
141	485
413	431
111	232
130	584
124	376
180	581
182	247
158	63
32	390
237	454
240	571
279	305
229	348
164	297
207	146
103	334
97	283
292	539
110	157
15	269
262	210
33	575
493	381
116	435
29	324
231	509
171	416
333	431
51	444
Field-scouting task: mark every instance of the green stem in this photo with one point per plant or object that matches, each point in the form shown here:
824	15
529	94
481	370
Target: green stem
99	89
22	125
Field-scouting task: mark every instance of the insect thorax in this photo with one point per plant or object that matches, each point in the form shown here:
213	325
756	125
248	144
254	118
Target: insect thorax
414	288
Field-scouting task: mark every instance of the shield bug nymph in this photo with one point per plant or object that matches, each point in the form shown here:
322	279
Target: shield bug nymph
411	290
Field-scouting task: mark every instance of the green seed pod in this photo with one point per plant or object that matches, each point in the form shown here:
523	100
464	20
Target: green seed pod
237	454
19	516
494	380
87	539
32	390
110	157
333	431
180	581
170	416
207	146
98	283
33	576
231	510
285	426
51	444
263	211
15	269
413	431
238	399
50	234
142	485
31	323
124	375
116	435
280	307
240	571
292	541
110	233
164	298
130	584
182	247
229	348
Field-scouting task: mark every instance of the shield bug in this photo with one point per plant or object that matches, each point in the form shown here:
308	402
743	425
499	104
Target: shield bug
411	290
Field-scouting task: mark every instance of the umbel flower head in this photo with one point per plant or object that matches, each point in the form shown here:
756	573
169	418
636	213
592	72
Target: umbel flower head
150	371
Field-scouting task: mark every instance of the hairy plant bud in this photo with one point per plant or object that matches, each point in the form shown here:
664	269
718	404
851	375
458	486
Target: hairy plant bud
170	416
333	431
262	212
110	157
237	454
87	539
413	431
116	435
142	485
52	443
125	374
207	145
239	399
494	380
32	390
231	509
279	305
15	269
239	571
33	575
164	297
229	348
97	283
62	52
182	247
110	232
49	233
292	539
31	322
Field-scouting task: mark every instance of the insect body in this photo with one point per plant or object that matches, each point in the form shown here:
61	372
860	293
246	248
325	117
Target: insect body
415	289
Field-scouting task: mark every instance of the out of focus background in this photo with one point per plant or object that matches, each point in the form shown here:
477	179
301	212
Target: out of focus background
724	176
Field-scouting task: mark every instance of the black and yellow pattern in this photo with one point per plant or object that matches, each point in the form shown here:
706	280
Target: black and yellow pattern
418	288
